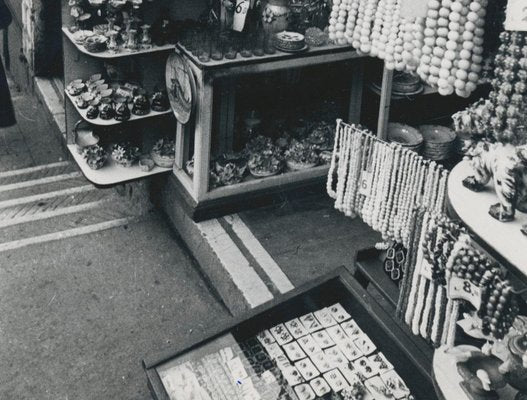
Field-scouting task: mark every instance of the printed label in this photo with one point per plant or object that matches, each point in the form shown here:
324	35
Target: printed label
365	183
516	17
463	289
240	14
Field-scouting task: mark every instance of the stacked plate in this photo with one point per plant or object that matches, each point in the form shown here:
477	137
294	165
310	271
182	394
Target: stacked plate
439	142
405	135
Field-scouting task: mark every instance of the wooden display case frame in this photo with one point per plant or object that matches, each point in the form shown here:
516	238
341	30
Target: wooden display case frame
338	285
206	75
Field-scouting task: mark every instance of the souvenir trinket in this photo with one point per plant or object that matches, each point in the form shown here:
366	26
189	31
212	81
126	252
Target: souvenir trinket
160	101
106	111
141	105
122	112
92	112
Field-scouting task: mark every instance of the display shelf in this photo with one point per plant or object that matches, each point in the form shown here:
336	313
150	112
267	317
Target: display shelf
111	173
270	62
103	122
504	238
111	55
447	379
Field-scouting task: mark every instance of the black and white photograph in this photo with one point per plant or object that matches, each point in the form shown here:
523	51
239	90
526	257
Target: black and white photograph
263	199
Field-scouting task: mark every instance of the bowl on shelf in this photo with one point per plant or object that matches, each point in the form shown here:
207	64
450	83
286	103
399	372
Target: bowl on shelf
146	164
405	135
84	136
438	142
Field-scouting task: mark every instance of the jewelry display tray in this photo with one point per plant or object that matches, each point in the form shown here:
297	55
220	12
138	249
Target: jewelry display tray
337	287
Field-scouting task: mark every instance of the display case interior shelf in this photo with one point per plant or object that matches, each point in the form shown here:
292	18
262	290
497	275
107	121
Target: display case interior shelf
504	239
281	180
112	55
103	122
112	173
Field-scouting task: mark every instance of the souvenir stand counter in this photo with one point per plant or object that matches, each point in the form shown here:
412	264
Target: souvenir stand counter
325	340
198	185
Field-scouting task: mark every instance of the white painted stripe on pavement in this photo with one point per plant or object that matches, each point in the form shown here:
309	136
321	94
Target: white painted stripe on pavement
83	230
270	267
51	214
45	196
30	170
243	275
40	181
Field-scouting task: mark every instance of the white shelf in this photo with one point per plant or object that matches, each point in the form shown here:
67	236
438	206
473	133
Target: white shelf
448	378
473	209
104	122
111	173
123	53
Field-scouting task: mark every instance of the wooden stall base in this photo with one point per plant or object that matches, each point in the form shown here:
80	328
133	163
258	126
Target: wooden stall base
242	201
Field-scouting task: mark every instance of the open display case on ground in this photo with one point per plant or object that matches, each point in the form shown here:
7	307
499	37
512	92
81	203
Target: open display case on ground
326	340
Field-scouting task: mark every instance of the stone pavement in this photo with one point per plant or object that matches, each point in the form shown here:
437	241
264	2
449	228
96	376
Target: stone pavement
33	141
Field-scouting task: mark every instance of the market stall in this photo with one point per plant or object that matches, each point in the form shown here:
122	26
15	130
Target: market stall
265	97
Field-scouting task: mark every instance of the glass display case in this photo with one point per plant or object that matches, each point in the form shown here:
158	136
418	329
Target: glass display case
328	340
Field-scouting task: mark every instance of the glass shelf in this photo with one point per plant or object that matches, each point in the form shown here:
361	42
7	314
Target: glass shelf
111	173
123	53
109	122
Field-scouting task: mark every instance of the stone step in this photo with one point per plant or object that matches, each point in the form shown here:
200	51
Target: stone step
40	173
42	187
38	208
56	227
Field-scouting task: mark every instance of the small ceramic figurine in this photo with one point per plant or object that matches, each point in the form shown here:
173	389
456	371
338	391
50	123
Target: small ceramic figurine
122	112
141	105
106	111
506	165
160	101
92	112
146	40
514	369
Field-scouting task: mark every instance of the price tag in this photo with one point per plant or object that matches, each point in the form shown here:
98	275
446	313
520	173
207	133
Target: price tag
463	289
516	17
411	9
426	269
365	183
240	14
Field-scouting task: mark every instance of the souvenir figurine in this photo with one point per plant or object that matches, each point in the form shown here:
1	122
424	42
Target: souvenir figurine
141	105
146	40
106	111
160	101
131	40
92	112
81	102
506	165
122	112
